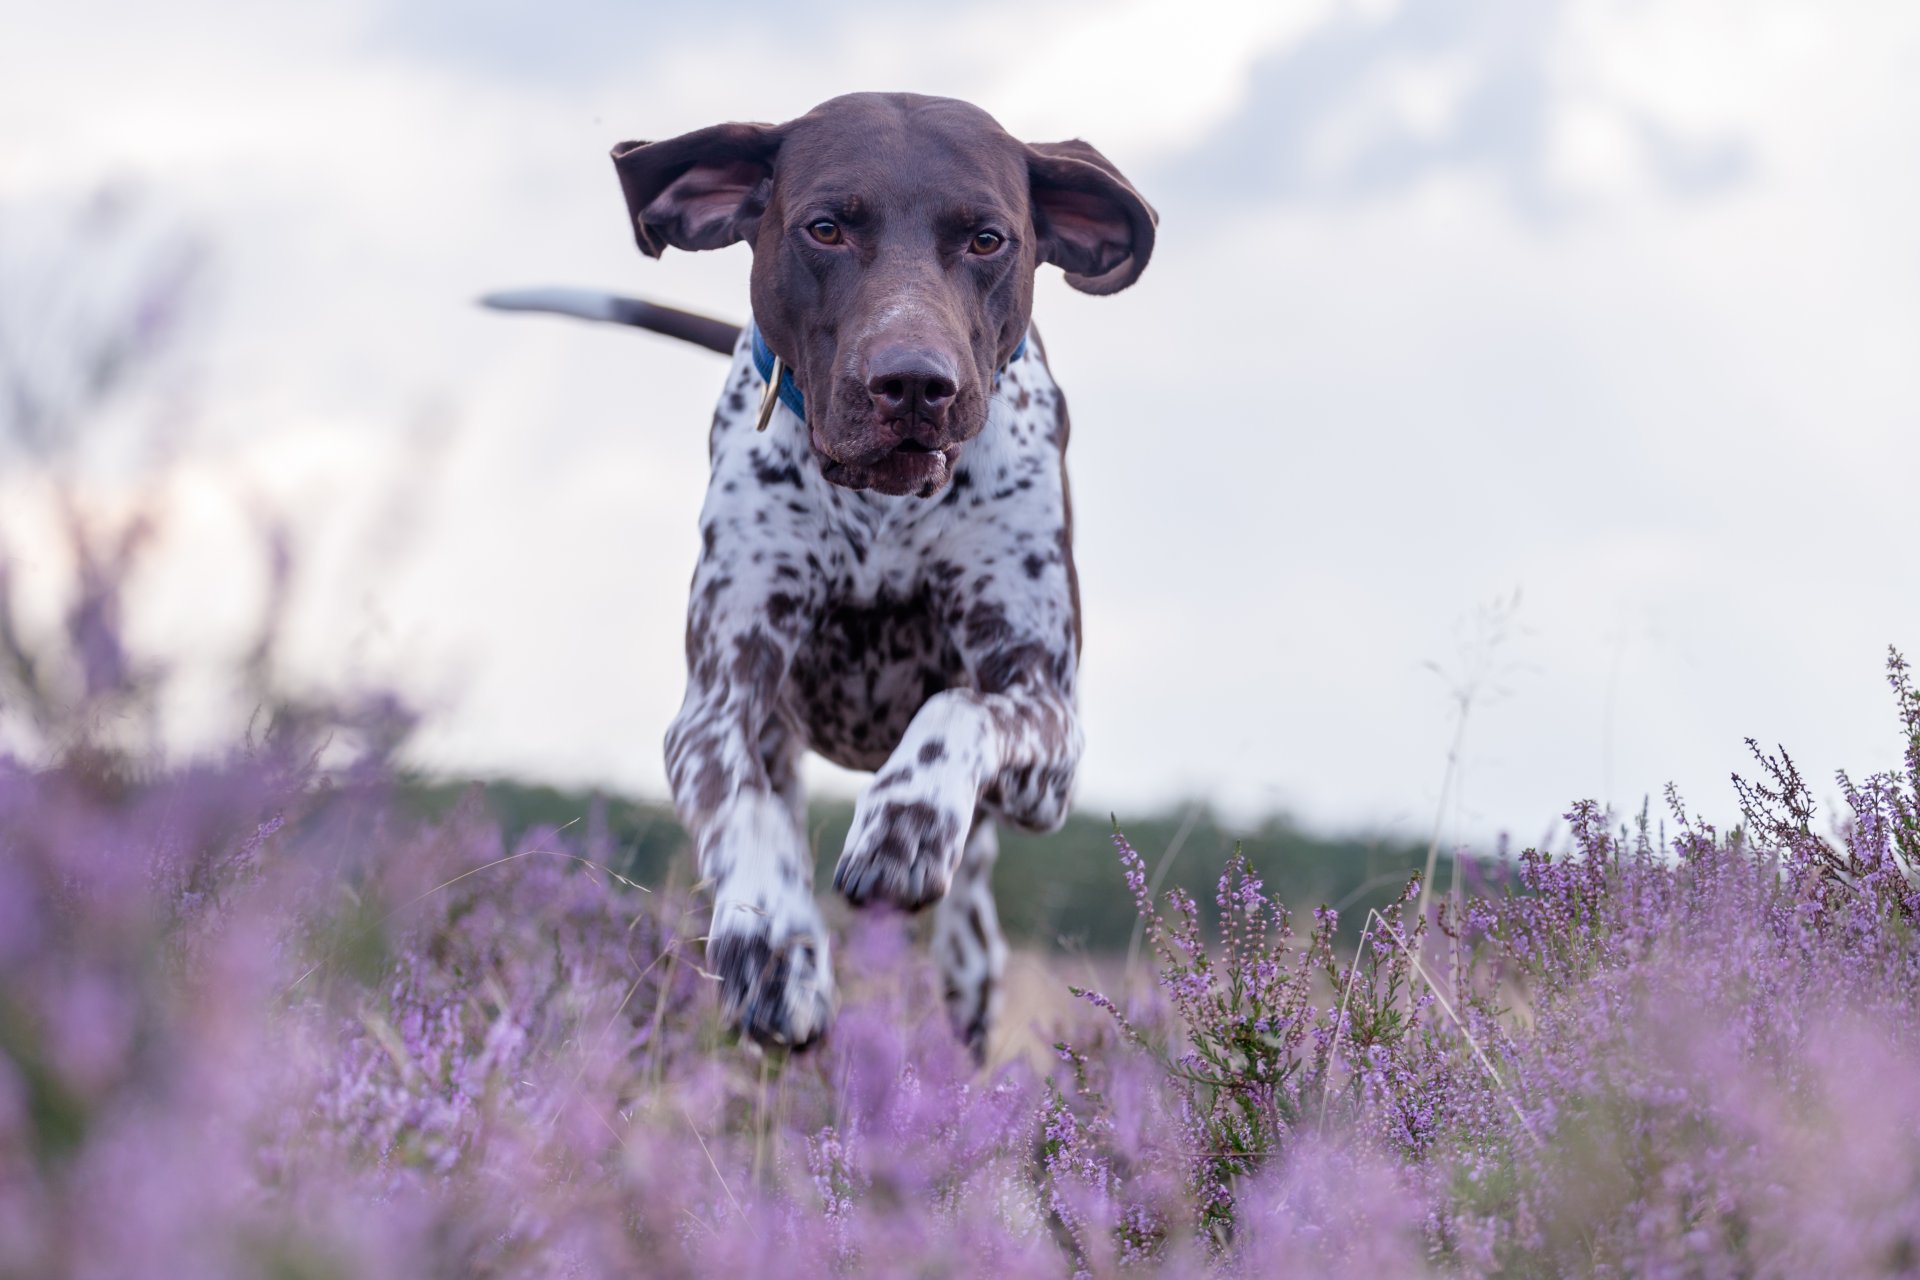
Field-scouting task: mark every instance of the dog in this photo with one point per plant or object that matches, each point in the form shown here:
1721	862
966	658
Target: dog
886	573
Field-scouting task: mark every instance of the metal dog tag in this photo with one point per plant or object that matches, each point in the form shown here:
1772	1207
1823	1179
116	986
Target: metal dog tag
773	394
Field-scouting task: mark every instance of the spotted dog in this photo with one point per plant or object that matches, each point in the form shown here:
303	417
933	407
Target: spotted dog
886	572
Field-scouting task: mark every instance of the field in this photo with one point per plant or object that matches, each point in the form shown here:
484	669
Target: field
291	1012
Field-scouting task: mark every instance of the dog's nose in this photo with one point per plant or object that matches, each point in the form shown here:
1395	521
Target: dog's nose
909	384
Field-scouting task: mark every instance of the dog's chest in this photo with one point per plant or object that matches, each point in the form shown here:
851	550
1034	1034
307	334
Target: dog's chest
887	582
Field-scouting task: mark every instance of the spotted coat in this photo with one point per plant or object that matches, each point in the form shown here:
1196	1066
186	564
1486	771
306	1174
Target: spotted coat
934	640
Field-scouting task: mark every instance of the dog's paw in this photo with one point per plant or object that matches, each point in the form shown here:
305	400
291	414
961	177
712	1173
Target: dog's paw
904	845
776	984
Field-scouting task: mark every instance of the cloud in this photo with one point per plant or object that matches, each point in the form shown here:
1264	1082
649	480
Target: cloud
1372	102
603	42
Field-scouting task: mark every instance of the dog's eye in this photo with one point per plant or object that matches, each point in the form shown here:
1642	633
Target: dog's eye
985	242
825	231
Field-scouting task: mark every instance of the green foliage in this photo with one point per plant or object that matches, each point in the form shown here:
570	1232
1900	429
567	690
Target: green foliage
1055	891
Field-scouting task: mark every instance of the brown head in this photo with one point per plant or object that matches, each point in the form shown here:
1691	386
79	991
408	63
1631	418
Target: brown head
894	241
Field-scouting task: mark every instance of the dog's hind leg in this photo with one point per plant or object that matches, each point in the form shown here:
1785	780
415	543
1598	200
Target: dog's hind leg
967	942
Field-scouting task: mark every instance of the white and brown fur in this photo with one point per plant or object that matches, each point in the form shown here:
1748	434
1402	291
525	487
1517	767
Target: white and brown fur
934	641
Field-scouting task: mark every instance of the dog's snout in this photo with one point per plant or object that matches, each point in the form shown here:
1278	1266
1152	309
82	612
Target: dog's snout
909	384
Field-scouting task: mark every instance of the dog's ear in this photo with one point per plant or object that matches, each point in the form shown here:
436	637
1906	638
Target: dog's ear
702	190
1092	224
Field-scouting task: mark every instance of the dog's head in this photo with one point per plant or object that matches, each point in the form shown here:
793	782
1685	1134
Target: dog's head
894	240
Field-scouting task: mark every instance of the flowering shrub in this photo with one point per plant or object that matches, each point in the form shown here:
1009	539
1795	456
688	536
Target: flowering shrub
1647	1059
256	1019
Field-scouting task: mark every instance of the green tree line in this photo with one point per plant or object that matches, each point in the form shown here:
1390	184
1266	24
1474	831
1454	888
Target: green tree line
1059	891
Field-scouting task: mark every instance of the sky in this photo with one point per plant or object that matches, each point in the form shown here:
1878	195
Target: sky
1554	360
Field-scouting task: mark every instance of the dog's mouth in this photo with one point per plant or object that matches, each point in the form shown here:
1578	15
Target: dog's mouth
908	467
902	456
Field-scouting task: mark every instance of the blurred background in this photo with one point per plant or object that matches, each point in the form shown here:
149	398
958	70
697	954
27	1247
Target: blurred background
1530	385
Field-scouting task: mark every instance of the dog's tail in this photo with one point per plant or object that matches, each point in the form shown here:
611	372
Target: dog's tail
589	304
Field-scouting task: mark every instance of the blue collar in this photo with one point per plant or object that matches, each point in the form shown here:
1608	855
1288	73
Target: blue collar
790	390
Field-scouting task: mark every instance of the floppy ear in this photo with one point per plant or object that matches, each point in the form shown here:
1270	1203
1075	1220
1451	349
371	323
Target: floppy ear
1092	224
702	190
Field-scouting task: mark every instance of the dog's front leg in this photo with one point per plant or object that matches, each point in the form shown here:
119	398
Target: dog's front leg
767	941
1011	750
